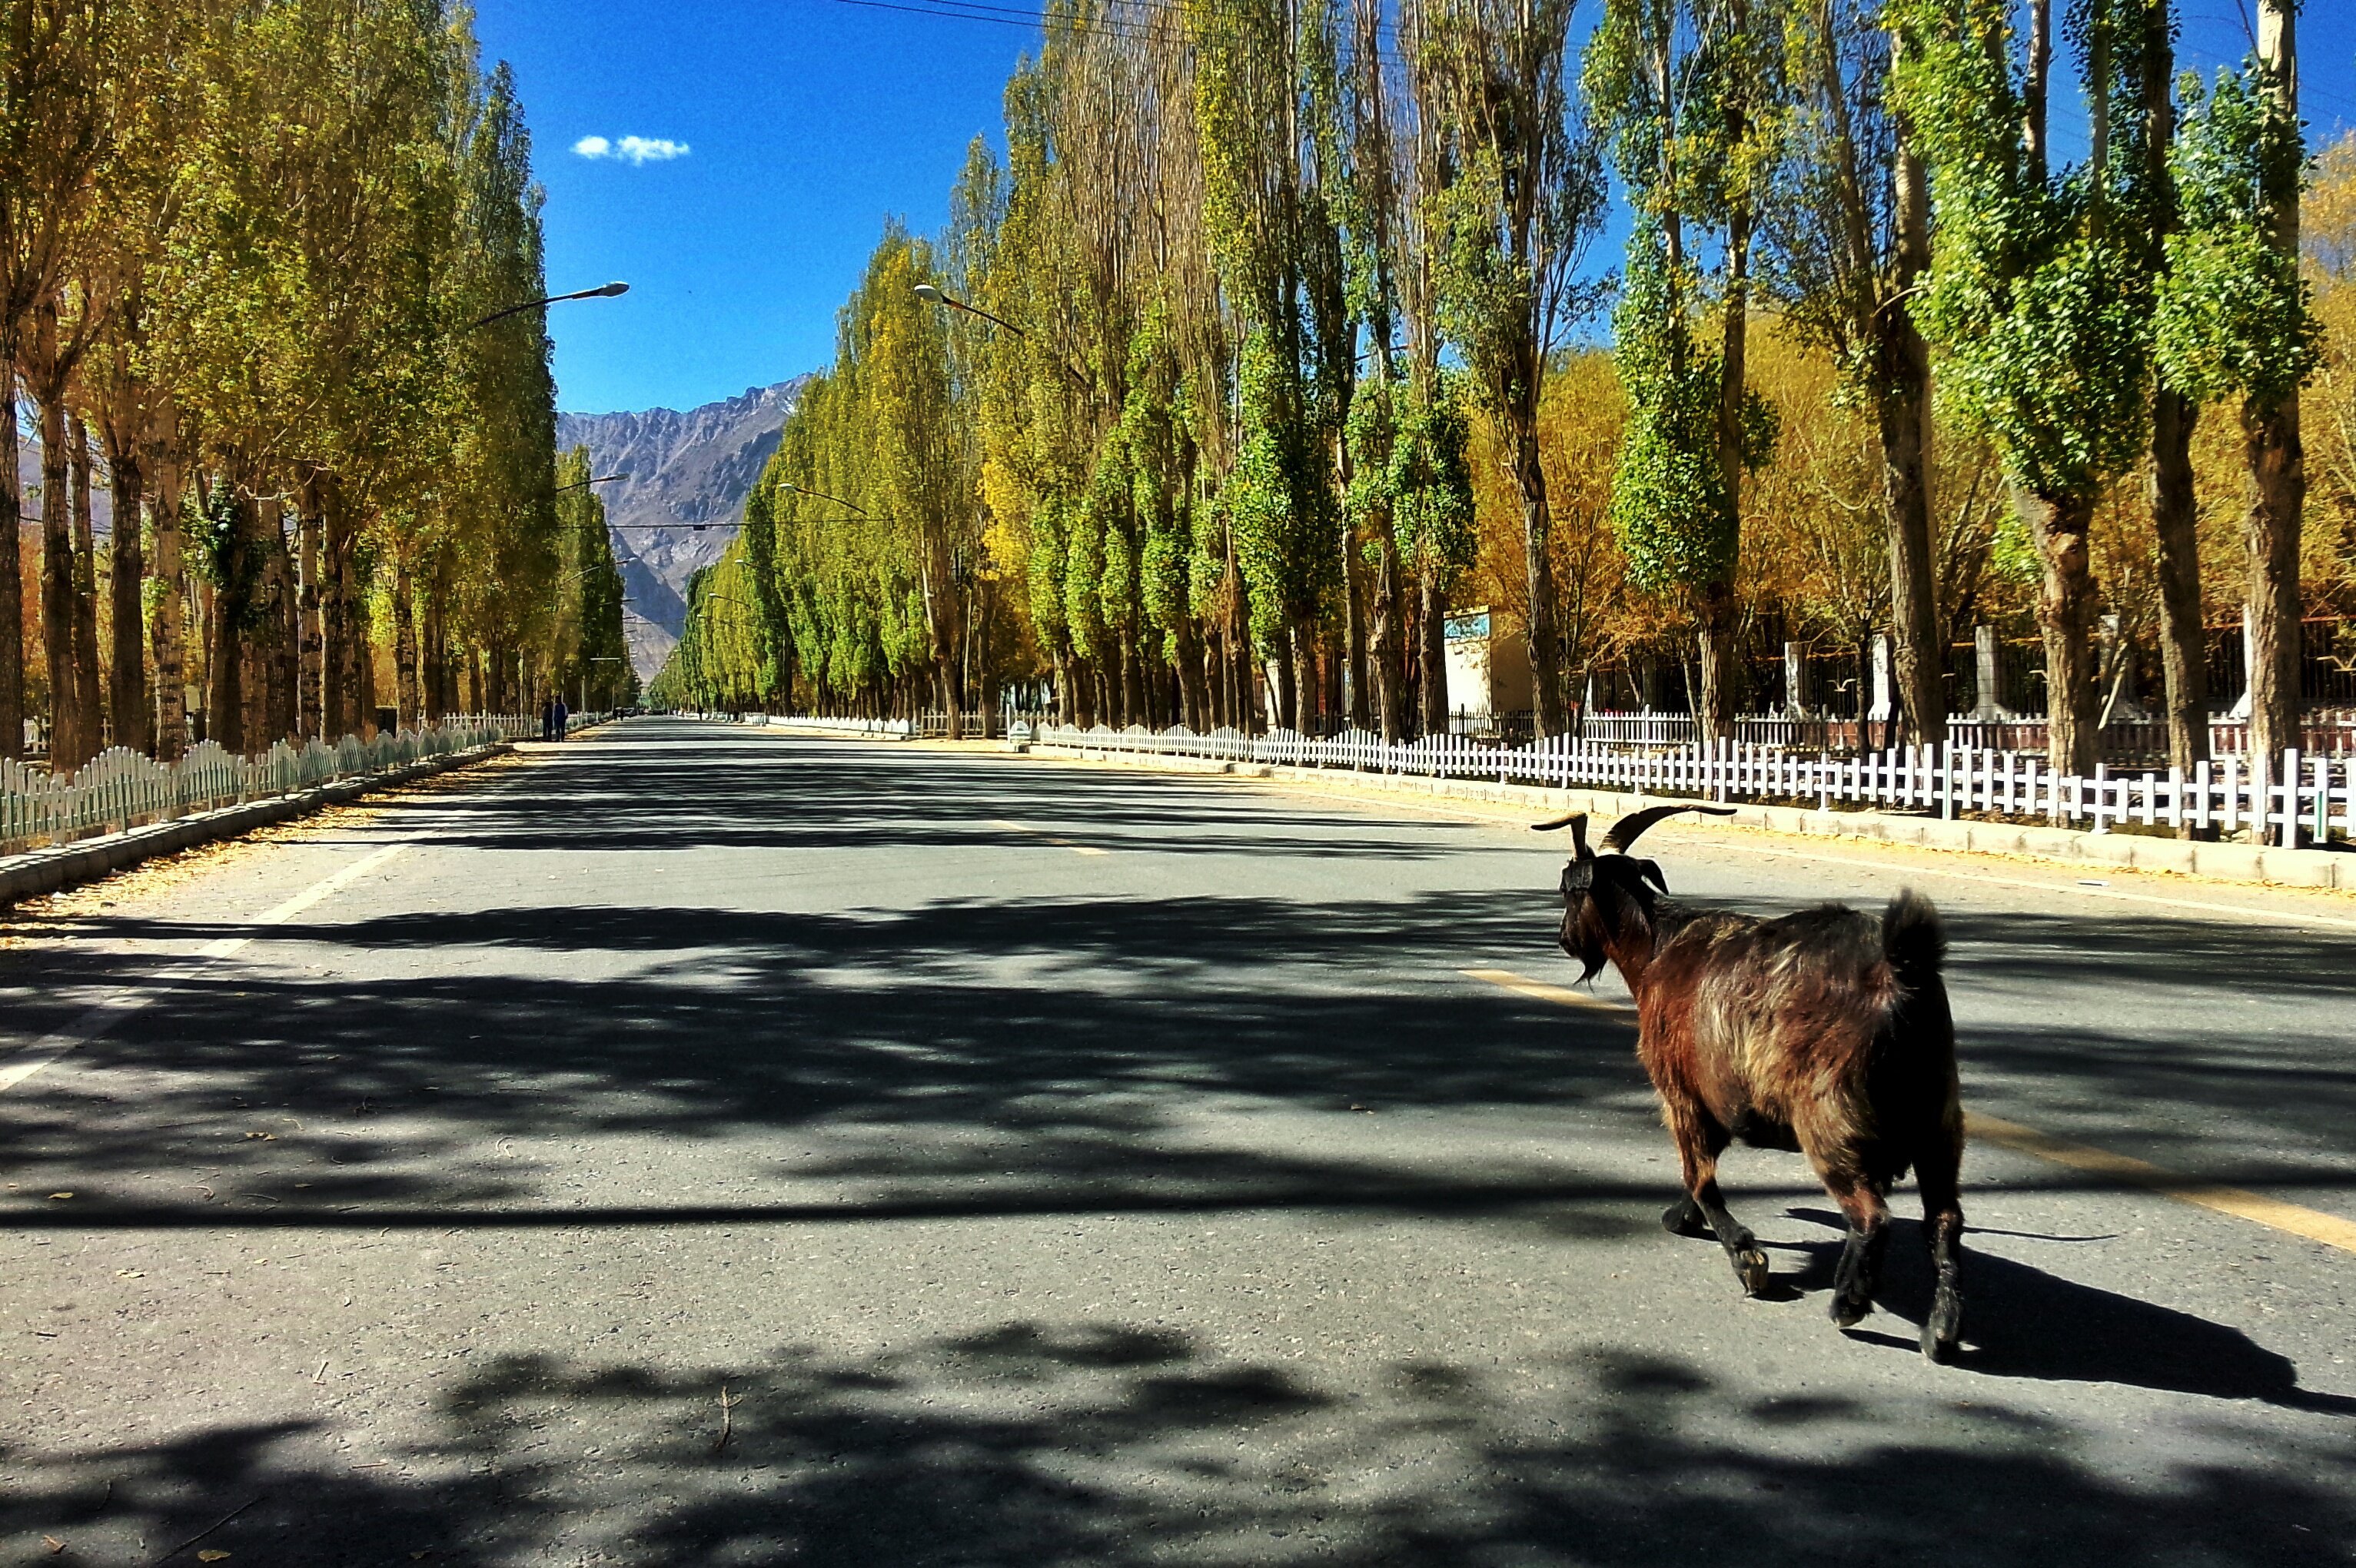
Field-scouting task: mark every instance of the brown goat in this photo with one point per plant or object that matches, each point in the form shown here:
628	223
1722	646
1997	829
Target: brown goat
1824	1033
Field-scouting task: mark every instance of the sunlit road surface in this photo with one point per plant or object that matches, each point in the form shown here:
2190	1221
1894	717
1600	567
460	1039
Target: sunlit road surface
693	1145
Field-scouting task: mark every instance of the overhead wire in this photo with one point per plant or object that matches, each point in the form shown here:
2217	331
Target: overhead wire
1105	25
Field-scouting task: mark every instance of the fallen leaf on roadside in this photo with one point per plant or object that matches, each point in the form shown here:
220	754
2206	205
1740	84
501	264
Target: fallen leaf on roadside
131	1273
212	1554
264	1138
53	1543
60	1194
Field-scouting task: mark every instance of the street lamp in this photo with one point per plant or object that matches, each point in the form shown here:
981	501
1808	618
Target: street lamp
931	295
584	483
838	500
603	291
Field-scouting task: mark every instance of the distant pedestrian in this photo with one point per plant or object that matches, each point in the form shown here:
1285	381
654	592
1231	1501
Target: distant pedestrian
563	715
548	719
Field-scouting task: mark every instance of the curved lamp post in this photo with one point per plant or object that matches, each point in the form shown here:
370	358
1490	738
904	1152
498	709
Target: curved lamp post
585	483
601	292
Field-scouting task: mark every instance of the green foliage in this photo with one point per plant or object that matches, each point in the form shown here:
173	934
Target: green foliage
1670	508
2232	316
2040	302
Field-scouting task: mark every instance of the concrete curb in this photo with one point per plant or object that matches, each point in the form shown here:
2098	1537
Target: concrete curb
2126	851
86	859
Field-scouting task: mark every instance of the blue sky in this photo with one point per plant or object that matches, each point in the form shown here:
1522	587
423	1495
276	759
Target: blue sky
804	124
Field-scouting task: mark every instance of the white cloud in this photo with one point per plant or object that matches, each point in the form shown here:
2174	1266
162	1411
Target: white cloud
631	150
650	149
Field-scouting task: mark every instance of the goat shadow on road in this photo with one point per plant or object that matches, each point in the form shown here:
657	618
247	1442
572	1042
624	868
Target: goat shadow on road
2020	1321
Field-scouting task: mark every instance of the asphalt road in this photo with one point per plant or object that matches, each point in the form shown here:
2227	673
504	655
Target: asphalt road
693	1145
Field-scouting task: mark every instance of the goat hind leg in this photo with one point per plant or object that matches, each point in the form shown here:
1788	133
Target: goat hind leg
1860	1274
1942	1229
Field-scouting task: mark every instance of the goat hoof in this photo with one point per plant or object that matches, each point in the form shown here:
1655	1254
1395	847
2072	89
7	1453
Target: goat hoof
1751	1267
1943	1327
1684	1218
1848	1314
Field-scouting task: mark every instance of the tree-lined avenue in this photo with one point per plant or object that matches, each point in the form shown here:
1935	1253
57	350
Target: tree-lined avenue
693	1143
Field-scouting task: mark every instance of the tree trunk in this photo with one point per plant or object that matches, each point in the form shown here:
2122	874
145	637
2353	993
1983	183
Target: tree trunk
1305	675
1714	713
1715	611
134	712
404	645
66	743
1432	622
312	719
1545	641
1904	414
441	684
1194	708
2175	515
2277	506
1355	619
1387	650
282	642
167	633
12	577
2065	613
2176	521
2270	431
225	693
89	680
338	673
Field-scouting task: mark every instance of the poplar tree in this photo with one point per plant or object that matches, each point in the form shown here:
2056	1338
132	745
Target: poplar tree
2040	302
2233	322
1849	241
1523	196
1689	98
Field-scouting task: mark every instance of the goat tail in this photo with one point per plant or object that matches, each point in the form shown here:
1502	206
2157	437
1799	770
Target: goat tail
1913	939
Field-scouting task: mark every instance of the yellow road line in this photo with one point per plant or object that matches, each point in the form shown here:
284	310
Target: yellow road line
2272	1213
1563	996
1042	833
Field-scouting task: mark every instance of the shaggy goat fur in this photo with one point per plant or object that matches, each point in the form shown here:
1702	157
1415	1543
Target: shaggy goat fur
1825	1032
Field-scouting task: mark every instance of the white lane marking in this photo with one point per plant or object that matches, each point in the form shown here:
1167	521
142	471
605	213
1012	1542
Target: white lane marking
102	1018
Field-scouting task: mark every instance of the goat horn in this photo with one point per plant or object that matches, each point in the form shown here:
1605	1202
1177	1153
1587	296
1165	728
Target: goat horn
1577	823
1631	827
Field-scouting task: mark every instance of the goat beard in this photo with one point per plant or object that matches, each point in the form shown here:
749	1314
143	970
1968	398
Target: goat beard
1583	933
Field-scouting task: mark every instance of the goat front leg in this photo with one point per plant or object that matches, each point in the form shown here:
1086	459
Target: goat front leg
1699	1142
1936	1173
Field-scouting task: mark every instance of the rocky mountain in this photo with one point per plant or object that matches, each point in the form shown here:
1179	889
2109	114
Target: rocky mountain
689	474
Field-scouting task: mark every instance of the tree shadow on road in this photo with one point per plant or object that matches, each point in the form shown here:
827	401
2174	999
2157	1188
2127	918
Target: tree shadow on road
1121	1443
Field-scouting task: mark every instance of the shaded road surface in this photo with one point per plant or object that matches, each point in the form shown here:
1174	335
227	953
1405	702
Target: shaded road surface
697	1145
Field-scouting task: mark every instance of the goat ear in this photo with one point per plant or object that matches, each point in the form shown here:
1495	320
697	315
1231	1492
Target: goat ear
1651	871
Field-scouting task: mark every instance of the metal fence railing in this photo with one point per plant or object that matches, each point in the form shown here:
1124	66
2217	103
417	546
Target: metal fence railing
120	789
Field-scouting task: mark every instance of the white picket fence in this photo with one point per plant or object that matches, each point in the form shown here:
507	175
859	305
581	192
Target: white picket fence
903	728
2303	799
120	788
